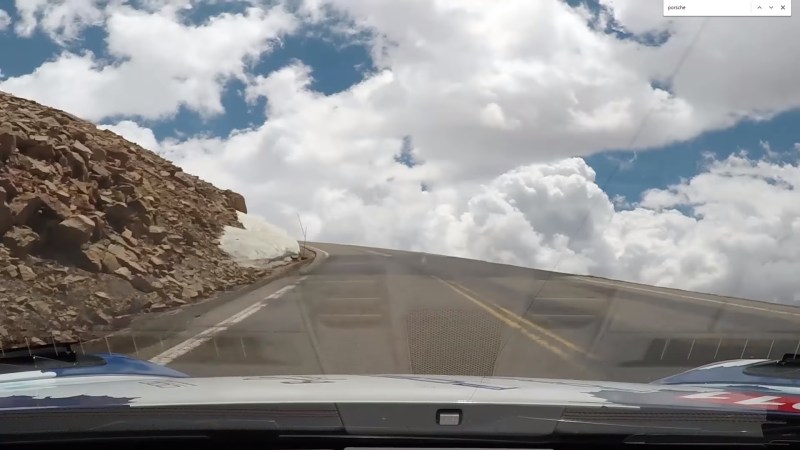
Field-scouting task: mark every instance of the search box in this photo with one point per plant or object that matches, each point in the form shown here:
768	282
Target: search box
727	8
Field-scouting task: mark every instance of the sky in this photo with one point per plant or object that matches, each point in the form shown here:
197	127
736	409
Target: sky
583	136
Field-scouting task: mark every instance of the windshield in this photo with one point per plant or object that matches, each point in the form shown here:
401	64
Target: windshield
584	189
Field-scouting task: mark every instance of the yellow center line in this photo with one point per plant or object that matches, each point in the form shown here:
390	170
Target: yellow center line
511	323
566	343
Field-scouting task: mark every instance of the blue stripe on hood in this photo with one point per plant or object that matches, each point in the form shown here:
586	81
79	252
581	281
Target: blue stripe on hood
116	364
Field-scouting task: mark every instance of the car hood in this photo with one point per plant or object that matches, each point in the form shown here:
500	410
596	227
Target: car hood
109	380
154	391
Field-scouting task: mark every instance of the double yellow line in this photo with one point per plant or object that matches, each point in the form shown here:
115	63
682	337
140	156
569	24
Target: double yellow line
563	348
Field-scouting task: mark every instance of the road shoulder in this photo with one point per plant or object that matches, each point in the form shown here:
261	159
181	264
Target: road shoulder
149	334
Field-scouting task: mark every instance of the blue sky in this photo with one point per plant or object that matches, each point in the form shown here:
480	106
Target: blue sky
666	166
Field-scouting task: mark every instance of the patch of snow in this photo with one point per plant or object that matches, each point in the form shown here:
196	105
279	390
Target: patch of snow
259	243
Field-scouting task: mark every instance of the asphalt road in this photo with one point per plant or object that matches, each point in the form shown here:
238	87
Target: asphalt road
367	310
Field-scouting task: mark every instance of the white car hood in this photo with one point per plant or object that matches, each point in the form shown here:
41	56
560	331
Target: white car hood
144	391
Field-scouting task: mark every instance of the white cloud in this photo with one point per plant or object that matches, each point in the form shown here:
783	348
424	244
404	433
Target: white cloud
62	20
544	86
162	64
135	133
722	60
743	240
5	20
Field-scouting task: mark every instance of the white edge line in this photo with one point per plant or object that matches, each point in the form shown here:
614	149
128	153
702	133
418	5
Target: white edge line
378	253
204	336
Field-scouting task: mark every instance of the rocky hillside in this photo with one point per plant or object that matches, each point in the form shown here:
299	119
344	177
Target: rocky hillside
95	229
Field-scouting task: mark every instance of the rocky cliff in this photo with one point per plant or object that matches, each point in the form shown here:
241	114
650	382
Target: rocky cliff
95	229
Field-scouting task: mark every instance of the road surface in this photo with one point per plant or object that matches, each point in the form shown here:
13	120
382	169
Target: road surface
366	310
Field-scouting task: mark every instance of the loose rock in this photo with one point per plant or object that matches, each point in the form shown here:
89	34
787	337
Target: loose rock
74	231
20	241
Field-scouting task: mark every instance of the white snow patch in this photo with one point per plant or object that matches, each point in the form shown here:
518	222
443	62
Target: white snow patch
258	243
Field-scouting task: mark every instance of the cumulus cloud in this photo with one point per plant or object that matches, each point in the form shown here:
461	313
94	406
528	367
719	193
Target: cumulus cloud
135	133
732	229
582	92
160	64
62	20
463	96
